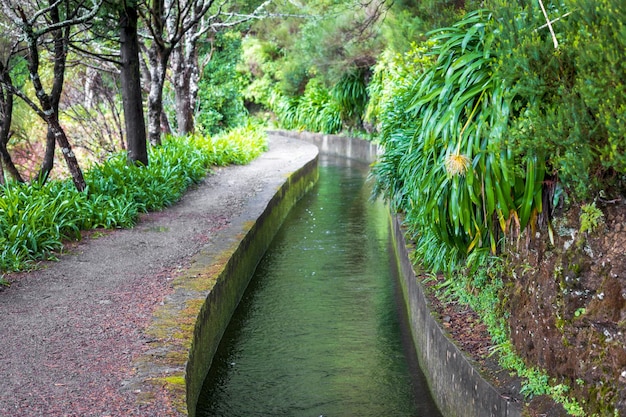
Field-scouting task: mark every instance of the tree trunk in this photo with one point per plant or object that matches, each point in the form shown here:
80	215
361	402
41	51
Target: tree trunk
158	66
55	95
183	96
8	164
131	88
166	127
92	78
6	112
50	103
158	55
68	155
48	157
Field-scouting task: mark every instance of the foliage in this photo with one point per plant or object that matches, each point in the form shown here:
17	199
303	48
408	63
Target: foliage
599	39
315	111
261	67
220	99
402	28
350	93
498	108
36	219
590	217
332	46
344	37
569	99
446	161
293	78
237	146
408	21
392	75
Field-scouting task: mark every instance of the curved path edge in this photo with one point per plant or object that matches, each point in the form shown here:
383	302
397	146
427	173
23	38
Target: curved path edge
207	292
229	273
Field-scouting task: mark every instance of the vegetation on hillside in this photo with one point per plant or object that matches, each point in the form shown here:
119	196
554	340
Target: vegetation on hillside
490	125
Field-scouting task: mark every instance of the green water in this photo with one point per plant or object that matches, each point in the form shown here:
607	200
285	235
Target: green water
318	332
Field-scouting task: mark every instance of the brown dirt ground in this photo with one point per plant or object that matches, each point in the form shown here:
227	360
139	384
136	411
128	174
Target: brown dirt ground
568	307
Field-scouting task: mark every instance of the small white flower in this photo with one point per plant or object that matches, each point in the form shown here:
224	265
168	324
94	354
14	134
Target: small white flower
457	164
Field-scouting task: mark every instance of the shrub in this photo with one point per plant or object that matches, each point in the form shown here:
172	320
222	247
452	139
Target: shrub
598	29
569	100
220	98
237	146
446	159
315	111
350	93
35	219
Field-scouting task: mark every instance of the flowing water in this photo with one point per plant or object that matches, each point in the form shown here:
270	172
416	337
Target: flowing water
319	331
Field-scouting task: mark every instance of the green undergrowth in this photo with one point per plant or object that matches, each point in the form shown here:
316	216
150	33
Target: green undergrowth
488	124
36	219
479	285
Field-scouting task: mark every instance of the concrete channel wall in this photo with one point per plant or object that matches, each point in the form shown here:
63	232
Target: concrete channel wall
457	387
335	145
234	277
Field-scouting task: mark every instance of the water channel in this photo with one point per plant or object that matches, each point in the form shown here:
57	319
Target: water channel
319	331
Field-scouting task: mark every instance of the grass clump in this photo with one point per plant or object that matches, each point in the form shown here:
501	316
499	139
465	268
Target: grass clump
237	146
35	219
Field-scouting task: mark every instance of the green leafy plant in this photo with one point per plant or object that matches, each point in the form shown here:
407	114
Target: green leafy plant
591	217
220	96
237	146
569	99
315	111
350	92
462	186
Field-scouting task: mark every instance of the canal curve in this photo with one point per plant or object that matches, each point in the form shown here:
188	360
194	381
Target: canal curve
320	330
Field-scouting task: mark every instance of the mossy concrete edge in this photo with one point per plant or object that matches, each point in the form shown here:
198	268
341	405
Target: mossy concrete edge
456	385
187	327
233	278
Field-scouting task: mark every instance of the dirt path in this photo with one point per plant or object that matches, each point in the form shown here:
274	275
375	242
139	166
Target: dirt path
72	330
